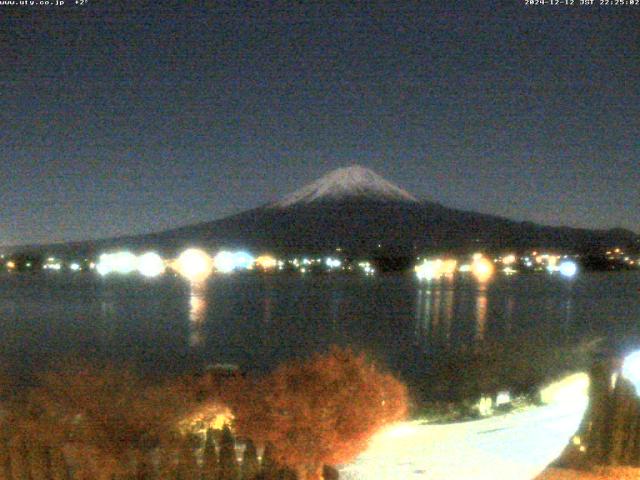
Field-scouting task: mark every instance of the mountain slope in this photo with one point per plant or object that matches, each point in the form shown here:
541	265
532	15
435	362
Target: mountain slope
361	212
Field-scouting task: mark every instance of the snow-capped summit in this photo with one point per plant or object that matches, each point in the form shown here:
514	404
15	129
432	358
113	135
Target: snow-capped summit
355	181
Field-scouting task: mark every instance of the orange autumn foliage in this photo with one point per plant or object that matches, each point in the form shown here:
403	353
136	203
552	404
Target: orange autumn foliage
320	411
104	419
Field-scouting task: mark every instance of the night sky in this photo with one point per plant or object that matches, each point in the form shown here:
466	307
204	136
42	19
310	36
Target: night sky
130	120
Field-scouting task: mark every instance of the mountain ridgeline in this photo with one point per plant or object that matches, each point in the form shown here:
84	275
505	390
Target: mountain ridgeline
360	212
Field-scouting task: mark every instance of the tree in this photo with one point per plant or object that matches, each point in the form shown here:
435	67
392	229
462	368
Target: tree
59	469
250	464
19	461
145	469
268	469
609	433
209	458
38	457
5	459
320	411
106	420
287	473
330	473
167	461
187	468
228	465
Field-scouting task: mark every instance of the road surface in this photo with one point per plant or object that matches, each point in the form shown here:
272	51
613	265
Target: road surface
514	446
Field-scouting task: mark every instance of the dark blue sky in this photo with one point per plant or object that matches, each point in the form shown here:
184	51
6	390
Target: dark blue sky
117	121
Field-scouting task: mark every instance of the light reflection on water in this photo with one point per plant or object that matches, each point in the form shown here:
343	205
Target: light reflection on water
257	321
481	312
508	311
435	312
442	305
197	313
448	312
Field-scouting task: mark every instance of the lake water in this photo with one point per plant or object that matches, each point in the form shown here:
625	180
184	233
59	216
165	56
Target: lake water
430	335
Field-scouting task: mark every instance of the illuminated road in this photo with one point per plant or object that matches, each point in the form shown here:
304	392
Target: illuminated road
515	446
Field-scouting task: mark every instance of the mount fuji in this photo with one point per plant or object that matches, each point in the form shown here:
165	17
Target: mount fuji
360	212
344	184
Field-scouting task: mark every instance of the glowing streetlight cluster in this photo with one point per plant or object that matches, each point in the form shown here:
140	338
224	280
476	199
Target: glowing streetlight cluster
149	264
568	268
431	269
243	260
428	269
482	268
367	268
194	264
227	262
52	264
224	262
266	262
119	262
332	263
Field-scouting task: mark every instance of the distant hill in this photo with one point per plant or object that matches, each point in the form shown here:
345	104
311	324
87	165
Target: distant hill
360	212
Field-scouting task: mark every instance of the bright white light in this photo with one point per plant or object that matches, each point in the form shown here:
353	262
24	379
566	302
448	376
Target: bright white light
503	398
103	266
120	262
631	369
194	264
482	268
242	260
74	267
150	265
568	268
429	269
124	262
225	261
332	262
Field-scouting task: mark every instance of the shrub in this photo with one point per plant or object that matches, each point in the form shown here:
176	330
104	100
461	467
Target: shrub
320	411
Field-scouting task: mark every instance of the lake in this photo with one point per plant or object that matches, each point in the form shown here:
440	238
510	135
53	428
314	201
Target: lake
451	337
